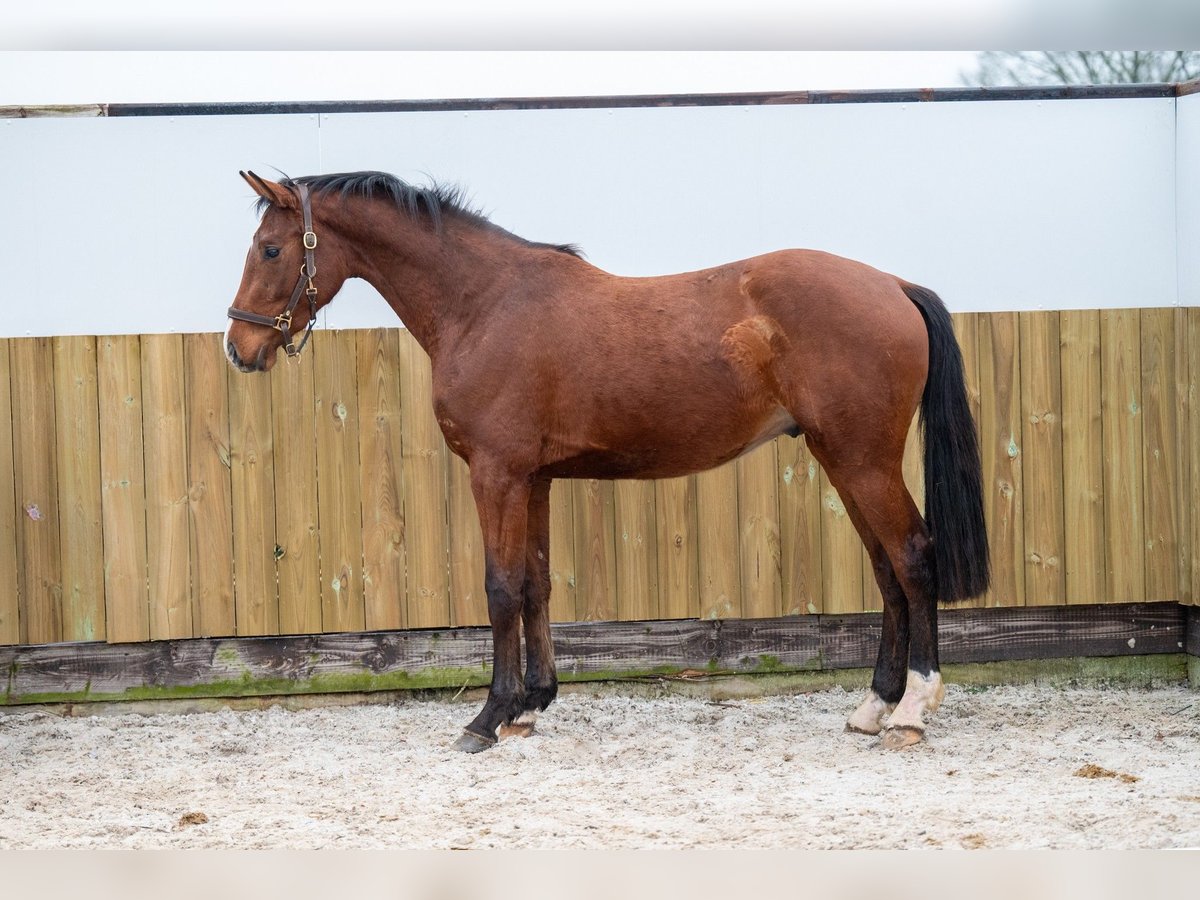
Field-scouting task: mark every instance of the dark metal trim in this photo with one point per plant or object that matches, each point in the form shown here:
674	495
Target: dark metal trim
631	101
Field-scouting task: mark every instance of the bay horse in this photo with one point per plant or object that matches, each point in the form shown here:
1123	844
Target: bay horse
545	367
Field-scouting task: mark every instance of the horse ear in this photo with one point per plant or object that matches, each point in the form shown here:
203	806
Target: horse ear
274	193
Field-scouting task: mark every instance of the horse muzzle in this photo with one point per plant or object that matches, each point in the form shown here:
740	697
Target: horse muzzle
258	364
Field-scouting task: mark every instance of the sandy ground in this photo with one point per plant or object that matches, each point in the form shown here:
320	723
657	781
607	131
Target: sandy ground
1003	767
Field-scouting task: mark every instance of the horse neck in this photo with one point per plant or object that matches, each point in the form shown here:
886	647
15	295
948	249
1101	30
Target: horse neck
436	280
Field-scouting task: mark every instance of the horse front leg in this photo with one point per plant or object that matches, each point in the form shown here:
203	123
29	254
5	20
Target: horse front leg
503	502
541	677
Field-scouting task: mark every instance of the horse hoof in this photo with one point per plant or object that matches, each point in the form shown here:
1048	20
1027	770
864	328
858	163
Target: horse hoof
854	729
469	742
901	736
516	729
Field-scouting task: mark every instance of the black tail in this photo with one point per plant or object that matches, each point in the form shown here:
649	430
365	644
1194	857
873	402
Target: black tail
953	475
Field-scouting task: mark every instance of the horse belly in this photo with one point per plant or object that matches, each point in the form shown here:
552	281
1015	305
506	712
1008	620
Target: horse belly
671	453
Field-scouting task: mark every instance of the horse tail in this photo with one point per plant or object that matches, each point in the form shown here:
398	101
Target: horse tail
953	475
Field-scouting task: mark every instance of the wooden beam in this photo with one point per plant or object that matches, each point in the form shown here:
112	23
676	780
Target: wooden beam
389	660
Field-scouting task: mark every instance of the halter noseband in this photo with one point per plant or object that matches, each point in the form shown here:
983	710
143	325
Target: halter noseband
304	286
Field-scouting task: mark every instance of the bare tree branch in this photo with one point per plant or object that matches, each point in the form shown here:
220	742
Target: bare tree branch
995	68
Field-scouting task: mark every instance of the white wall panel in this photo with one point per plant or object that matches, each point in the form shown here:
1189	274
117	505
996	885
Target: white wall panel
138	225
141	224
1188	198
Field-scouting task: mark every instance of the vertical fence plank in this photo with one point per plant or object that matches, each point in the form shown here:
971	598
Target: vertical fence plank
380	480
1193	394
966	332
77	423
1042	468
872	598
1083	466
1160	450
720	558
1121	402
335	370
297	509
636	548
468	599
39	560
252	479
123	488
1000	431
678	548
1185	411
10	591
595	550
164	437
841	554
799	487
913	466
210	496
424	491
562	552
758	522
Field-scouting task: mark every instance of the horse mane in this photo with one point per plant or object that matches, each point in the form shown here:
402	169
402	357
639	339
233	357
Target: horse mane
429	204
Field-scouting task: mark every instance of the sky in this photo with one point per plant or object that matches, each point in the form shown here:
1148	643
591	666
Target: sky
78	77
80	51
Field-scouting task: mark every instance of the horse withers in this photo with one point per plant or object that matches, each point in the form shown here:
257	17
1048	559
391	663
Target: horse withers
546	367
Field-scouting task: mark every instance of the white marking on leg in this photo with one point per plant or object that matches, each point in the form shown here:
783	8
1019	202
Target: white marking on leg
868	718
922	694
526	718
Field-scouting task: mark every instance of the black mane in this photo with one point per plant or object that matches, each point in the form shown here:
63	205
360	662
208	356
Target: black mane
430	204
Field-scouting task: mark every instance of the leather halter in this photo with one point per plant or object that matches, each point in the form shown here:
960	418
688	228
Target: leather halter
304	286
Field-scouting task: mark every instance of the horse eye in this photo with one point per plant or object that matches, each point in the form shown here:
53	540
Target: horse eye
271	252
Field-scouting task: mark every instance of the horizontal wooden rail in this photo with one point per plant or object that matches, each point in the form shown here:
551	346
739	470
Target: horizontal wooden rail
257	666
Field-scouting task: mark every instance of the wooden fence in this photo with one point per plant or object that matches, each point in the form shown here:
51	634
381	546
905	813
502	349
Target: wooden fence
149	492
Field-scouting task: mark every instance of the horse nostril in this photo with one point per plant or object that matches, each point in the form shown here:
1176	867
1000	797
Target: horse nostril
231	351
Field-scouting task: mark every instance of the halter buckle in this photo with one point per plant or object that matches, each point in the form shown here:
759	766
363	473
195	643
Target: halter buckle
310	240
283	321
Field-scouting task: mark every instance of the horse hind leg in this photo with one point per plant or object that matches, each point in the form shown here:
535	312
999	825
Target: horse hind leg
907	684
887	681
889	510
924	689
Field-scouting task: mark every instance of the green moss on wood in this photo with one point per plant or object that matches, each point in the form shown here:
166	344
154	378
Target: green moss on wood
768	663
249	686
1130	671
767	675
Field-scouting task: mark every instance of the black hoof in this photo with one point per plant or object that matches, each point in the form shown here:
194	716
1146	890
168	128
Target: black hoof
470	742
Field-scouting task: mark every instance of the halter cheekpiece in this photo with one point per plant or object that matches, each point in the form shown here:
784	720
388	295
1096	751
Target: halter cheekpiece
304	287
